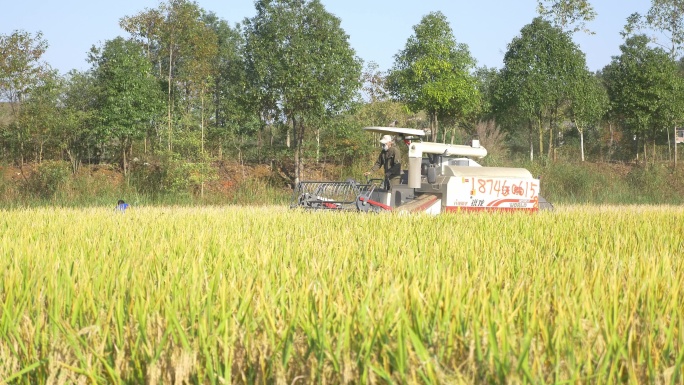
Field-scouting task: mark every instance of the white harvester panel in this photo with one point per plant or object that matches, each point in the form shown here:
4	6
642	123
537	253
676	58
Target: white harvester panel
490	188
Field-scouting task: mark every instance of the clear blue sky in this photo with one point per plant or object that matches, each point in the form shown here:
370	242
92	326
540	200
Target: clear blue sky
377	29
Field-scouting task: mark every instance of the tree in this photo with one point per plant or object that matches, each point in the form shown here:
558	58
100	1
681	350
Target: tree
78	135
535	85
21	71
486	81
377	109
433	73
374	83
182	46
667	18
664	16
41	114
235	112
568	15
645	87
300	65
129	97
589	105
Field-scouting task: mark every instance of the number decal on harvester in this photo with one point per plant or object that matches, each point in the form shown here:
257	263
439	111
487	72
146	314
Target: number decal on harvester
500	188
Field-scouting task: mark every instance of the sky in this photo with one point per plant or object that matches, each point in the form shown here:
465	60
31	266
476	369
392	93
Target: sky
377	29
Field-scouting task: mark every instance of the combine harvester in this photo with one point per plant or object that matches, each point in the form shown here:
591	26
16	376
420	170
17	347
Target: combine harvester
440	178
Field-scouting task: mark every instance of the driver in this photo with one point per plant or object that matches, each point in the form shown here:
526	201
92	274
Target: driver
390	159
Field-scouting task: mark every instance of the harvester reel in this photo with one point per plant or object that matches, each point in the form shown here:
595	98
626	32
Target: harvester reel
366	207
304	200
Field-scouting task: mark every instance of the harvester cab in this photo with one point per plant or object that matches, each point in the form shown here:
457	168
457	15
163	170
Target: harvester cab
440	178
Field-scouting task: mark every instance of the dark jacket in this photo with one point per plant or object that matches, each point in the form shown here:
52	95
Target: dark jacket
391	161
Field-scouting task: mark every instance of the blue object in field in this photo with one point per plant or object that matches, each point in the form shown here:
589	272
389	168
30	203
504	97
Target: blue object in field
121	206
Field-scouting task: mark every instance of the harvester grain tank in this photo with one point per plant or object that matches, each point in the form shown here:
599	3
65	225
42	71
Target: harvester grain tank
440	178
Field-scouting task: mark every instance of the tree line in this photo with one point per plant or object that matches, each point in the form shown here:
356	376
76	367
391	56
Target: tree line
285	85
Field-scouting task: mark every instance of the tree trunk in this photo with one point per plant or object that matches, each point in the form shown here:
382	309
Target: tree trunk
636	147
124	163
168	100
540	128
434	126
645	155
296	151
529	131
551	140
21	152
202	119
582	144
300	147
73	160
260	140
203	158
610	141
669	146
318	145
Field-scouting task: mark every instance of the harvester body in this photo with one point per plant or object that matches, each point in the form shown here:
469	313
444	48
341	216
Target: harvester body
440	178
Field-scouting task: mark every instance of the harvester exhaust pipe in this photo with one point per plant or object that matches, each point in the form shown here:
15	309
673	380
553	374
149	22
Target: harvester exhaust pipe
414	172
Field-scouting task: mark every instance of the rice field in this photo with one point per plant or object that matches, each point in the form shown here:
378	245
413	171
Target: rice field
173	295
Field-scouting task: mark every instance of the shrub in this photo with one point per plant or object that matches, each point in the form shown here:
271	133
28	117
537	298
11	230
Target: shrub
171	175
648	183
47	179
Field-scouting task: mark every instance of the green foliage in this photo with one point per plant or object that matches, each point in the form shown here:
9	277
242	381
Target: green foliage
41	118
47	179
172	175
540	68
587	183
342	142
589	101
665	17
181	42
234	113
289	34
649	183
20	66
589	105
433	73
569	15
78	136
486	81
96	186
300	66
21	72
128	96
571	183
645	88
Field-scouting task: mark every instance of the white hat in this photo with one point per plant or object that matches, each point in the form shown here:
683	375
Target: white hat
385	139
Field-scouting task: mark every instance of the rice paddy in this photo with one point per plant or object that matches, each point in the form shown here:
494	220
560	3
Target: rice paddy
162	295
